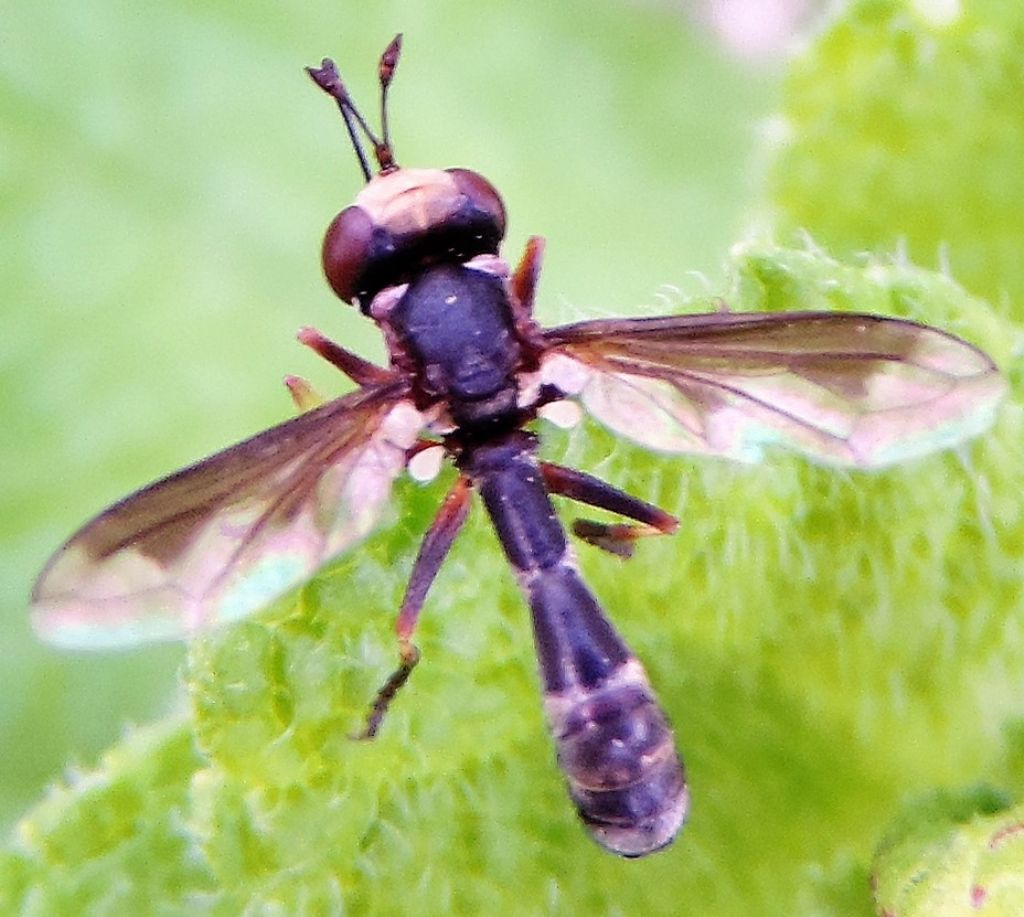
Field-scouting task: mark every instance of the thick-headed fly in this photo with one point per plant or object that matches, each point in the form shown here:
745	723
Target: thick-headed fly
470	369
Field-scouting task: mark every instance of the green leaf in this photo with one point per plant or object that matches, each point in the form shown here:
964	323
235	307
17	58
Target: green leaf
782	625
953	853
901	128
114	840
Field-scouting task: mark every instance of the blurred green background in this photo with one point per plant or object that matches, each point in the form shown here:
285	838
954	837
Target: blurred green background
166	173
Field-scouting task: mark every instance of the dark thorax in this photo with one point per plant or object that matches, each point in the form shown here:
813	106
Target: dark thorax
453	324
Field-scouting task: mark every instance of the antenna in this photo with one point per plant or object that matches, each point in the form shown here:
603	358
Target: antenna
327	78
386	71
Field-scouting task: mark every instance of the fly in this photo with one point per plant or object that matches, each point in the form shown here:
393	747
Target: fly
469	370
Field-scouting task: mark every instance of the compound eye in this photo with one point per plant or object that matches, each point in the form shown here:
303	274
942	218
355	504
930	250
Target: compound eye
483	196
345	251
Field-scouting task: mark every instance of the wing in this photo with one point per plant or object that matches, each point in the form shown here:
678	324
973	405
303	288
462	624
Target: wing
843	388
224	537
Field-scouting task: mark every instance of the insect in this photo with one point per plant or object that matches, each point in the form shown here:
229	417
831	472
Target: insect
469	371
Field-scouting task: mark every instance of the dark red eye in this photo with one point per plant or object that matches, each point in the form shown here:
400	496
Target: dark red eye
483	195
345	251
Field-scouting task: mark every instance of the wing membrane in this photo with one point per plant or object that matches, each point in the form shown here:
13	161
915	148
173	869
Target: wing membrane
843	388
224	537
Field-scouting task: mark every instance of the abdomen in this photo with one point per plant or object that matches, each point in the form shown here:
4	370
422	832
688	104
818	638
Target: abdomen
614	743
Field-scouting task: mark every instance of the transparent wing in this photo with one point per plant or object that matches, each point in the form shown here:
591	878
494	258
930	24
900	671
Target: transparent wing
846	389
224	537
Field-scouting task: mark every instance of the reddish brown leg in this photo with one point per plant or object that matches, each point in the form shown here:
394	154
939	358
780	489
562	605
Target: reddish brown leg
524	280
617	539
523	285
360	371
433	550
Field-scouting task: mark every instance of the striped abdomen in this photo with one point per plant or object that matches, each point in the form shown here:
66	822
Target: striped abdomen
614	743
618	754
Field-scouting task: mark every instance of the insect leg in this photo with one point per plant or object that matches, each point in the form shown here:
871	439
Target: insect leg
524	280
303	394
360	371
616	539
433	550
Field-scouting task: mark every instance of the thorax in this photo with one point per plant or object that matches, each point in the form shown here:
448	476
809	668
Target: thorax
453	327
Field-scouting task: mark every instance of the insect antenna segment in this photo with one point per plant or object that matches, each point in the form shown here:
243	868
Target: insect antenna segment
326	76
386	71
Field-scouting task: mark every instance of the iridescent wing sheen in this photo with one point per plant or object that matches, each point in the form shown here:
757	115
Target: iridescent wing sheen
843	388
224	537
